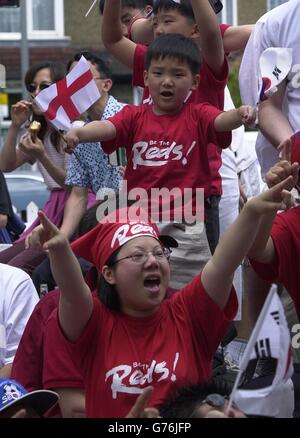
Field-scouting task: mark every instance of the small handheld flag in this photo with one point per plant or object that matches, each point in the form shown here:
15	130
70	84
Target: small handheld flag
64	101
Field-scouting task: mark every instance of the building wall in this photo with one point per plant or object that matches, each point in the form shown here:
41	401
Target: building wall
249	11
84	31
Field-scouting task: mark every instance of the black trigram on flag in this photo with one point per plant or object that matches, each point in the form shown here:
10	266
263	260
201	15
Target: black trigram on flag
276	316
276	72
262	348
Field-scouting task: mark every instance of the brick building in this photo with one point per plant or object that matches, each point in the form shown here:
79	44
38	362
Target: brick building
58	28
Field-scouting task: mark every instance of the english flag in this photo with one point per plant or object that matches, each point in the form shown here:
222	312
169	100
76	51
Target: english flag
275	64
270	339
64	101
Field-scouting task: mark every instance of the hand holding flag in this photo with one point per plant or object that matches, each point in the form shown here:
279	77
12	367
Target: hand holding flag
270	339
64	101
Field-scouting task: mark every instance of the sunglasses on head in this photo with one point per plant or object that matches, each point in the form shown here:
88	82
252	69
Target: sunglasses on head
31	88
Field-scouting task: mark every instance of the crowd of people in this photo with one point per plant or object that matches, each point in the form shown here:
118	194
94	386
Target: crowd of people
142	300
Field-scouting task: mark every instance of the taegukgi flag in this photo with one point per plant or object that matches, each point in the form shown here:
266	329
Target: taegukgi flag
275	64
270	339
64	101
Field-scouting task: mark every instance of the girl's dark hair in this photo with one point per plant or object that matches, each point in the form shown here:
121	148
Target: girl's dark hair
57	72
106	292
174	46
184	7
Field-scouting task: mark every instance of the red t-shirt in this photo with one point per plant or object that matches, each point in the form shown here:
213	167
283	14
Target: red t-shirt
169	150
286	238
119	355
211	90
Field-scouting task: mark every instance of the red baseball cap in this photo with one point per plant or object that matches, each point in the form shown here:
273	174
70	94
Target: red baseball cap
101	242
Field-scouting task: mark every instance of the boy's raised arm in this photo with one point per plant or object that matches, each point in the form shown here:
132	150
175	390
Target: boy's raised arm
119	46
209	33
232	119
92	132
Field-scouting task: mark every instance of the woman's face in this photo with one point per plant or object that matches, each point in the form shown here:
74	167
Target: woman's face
42	78
141	286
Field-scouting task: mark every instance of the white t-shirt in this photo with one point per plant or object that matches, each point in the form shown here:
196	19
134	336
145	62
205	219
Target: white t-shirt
18	298
278	28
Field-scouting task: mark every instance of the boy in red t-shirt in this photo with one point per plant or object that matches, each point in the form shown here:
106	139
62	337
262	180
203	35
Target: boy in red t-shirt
194	19
166	142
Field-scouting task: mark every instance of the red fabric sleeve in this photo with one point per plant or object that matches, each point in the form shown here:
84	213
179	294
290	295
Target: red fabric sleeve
139	66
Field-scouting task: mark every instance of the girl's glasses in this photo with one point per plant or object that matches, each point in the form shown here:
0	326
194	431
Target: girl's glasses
31	88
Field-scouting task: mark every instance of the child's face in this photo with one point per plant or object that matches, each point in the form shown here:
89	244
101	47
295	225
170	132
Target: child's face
169	82
127	15
171	21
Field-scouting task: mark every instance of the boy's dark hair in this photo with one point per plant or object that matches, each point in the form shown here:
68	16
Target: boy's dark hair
186	400
174	46
184	7
96	60
136	4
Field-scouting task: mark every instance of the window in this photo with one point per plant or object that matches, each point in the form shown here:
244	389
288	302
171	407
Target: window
273	3
229	12
45	19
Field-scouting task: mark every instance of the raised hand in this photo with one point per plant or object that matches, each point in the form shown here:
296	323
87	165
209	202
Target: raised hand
275	198
20	112
46	236
281	171
71	140
247	114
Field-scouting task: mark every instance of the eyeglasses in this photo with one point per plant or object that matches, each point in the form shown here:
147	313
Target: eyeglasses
140	257
31	88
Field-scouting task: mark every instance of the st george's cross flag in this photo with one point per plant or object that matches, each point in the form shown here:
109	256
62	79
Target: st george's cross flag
64	101
274	64
269	339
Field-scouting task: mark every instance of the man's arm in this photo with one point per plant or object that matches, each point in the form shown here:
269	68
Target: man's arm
236	37
218	273
119	46
272	122
263	249
74	210
211	42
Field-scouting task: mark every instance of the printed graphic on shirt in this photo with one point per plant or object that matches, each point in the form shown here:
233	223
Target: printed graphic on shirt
131	379
159	153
